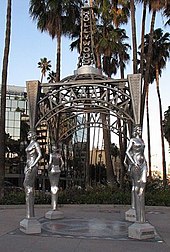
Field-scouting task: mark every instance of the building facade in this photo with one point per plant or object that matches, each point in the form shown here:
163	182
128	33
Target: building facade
16	126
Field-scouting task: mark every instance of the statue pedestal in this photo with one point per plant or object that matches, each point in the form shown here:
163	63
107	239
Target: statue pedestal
141	231
54	214
30	226
130	215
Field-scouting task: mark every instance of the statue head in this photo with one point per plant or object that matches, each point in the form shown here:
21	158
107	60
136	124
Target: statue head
54	148
137	131
32	135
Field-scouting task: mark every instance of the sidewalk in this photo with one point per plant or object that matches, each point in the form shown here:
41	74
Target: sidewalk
72	235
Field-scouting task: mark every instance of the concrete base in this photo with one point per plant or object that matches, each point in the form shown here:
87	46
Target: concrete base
30	226
141	231
130	215
54	214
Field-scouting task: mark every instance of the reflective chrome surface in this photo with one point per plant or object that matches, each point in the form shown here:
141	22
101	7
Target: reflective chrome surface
138	169
33	152
55	164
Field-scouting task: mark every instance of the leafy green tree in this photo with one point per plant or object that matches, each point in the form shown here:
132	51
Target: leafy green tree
3	97
45	66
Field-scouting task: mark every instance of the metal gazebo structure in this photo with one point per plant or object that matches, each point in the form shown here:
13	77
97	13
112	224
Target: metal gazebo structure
85	109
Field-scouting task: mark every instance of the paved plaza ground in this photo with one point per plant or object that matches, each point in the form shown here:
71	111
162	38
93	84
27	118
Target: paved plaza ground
85	228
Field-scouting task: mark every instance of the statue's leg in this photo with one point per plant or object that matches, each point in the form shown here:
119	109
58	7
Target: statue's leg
29	202
142	202
29	193
139	202
133	195
54	179
141	194
54	198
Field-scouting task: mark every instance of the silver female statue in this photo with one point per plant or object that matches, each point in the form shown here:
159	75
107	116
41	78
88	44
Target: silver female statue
55	164
138	171
33	152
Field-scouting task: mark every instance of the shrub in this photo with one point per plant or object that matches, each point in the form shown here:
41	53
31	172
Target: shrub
95	195
155	195
13	198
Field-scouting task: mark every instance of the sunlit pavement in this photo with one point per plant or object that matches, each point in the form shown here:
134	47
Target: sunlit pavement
84	228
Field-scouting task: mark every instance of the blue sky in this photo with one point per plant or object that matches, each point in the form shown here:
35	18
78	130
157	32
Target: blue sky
28	45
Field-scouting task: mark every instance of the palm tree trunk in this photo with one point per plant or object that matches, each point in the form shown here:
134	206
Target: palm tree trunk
148	133
148	62
58	62
121	66
107	143
123	147
41	78
58	55
88	152
133	24
122	138
98	62
161	128
142	36
3	98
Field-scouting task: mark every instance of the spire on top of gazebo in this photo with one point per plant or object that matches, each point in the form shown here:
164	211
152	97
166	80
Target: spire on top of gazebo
86	62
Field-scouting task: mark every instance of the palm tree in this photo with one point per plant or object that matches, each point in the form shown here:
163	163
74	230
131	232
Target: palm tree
104	35
142	35
109	43
146	89
51	77
57	18
3	97
45	66
121	14
154	7
166	12
166	125
120	11
160	55
110	65
122	51
108	46
123	58
104	45
134	42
